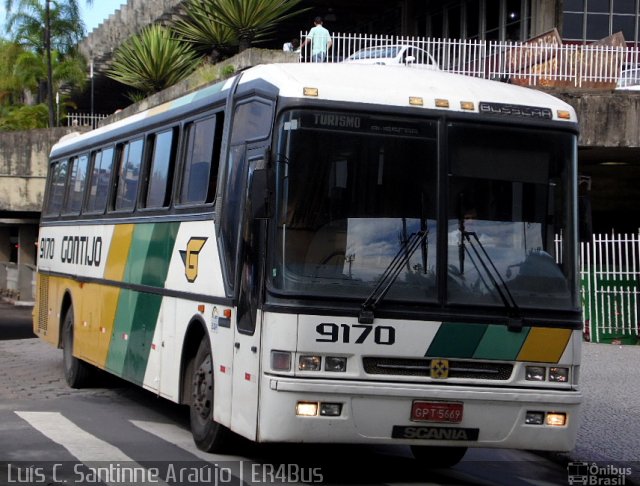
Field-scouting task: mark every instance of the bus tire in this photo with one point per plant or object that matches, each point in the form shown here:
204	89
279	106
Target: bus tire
438	457
208	435
76	372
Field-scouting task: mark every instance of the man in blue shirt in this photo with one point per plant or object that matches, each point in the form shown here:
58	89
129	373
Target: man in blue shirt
320	40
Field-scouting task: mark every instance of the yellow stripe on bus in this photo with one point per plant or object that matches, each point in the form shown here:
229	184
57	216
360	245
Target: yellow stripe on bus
109	295
544	345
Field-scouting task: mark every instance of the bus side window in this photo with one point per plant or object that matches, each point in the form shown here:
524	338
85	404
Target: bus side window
99	182
77	180
56	189
200	170
160	169
128	175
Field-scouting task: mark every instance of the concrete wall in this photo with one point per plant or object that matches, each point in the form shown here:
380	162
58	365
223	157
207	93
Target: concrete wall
128	20
23	167
607	119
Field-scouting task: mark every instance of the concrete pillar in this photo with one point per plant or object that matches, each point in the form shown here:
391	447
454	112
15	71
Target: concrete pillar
27	237
545	16
5	244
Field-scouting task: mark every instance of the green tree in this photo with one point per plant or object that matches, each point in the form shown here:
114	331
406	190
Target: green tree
45	29
152	60
196	25
251	20
10	85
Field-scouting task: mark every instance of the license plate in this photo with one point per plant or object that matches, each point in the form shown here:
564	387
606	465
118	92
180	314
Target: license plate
449	412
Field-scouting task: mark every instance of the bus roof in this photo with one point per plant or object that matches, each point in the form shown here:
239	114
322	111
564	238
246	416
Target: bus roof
397	85
383	85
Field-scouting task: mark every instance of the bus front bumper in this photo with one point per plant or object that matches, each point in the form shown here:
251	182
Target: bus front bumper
380	413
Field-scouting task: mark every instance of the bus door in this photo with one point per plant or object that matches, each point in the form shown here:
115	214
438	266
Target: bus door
246	360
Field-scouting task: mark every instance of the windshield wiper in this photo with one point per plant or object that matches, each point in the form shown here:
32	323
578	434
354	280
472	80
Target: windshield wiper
390	274
514	317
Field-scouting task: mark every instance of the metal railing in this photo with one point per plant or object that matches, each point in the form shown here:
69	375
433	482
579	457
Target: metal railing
531	64
84	119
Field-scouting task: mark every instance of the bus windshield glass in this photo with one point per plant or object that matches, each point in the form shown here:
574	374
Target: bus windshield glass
507	213
357	199
354	190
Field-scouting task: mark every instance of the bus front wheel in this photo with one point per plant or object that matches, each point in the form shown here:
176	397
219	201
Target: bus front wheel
438	457
208	435
76	372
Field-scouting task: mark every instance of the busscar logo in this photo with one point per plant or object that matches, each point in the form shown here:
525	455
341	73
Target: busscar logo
190	257
439	369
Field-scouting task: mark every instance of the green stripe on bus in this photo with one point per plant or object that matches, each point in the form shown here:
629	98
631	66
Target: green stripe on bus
137	314
456	340
500	343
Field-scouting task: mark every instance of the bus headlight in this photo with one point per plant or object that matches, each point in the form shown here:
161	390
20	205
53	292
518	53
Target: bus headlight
535	373
335	363
309	363
560	375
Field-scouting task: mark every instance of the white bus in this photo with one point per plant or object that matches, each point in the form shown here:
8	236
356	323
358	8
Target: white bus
328	253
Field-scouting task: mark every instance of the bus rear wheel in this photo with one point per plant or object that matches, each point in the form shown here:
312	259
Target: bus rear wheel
438	457
76	372
208	435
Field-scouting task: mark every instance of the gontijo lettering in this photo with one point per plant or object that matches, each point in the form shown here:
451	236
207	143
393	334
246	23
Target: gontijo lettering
82	250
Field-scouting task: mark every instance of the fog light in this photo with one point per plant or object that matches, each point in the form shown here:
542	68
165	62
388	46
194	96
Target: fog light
309	363
307	409
535	373
560	375
556	419
331	409
334	363
280	361
534	418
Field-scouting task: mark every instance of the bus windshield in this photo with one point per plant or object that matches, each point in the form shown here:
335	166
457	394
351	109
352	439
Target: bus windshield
357	198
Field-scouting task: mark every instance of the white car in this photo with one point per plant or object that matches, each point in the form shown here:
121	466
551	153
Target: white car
394	55
629	79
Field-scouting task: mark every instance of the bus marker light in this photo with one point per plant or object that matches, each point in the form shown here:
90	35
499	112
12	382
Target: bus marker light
310	91
309	363
335	363
227	313
556	419
280	360
467	105
330	409
416	101
307	409
535	373
564	115
559	375
440	103
534	418
201	308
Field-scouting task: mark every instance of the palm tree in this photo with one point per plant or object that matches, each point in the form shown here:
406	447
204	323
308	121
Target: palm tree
62	26
251	20
152	60
196	25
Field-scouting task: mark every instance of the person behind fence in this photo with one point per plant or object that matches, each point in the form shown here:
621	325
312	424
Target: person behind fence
292	46
320	41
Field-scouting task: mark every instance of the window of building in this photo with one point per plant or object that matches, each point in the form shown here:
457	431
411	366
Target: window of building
592	20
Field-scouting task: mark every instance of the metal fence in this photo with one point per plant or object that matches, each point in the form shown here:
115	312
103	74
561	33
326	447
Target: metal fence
531	64
610	274
84	119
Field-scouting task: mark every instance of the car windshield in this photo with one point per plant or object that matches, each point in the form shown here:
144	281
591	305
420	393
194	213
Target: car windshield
383	52
357	204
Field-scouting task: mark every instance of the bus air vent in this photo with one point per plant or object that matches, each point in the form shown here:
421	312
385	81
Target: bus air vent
473	370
